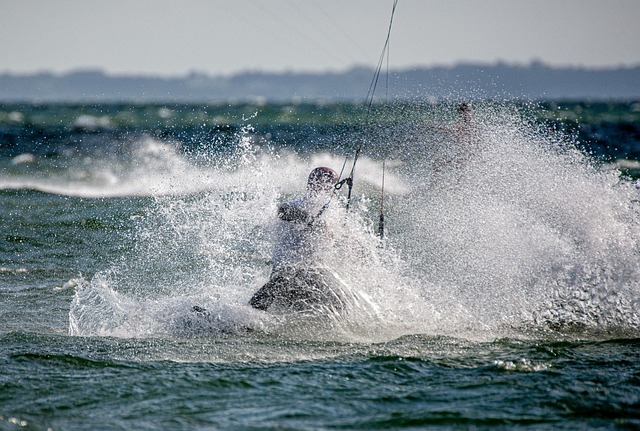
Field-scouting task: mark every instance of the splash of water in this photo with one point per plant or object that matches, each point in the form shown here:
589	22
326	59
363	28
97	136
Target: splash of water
520	234
524	232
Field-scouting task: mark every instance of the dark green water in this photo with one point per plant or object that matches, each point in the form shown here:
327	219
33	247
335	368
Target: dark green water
505	297
58	382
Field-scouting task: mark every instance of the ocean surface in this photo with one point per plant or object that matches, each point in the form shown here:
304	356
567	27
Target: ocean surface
505	293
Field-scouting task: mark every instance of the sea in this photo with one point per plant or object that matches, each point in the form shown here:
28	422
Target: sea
504	292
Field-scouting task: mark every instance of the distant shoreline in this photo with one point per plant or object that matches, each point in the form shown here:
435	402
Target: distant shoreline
535	81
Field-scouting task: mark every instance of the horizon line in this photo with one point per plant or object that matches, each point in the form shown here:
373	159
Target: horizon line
204	74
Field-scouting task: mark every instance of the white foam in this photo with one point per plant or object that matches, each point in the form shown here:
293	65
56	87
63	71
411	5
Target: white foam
23	159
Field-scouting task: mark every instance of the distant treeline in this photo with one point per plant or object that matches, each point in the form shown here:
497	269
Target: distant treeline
535	81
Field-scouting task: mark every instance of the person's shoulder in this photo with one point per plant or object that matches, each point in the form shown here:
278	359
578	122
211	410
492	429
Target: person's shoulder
298	202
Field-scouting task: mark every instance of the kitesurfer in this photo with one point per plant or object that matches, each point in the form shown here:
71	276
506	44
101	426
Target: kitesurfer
297	282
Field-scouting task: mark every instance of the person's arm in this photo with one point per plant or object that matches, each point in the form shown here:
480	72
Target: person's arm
291	213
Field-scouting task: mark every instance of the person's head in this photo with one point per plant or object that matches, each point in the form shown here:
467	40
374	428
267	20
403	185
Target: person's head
322	179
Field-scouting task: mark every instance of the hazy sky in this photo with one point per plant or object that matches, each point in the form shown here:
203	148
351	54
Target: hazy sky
222	37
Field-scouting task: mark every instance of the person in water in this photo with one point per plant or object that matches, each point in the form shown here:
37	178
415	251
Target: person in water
465	143
464	113
297	282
